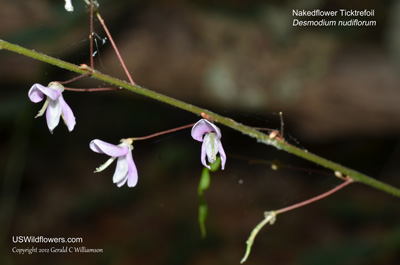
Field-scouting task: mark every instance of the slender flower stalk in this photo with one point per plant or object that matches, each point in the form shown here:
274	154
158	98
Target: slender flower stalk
94	89
161	133
270	216
115	47
316	198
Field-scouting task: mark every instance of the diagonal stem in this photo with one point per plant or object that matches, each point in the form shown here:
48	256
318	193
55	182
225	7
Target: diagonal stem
259	136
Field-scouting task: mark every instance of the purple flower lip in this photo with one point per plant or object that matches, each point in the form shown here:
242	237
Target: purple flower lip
55	105
126	171
206	132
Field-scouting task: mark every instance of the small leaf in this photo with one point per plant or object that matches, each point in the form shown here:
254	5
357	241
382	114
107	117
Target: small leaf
204	184
204	181
215	166
203	213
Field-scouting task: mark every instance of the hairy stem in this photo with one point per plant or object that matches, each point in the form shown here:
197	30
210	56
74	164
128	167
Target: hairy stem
247	130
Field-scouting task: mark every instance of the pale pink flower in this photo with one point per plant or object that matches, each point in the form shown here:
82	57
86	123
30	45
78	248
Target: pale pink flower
126	169
55	105
206	132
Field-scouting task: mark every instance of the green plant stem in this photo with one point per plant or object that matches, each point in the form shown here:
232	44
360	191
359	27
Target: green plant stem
269	217
261	137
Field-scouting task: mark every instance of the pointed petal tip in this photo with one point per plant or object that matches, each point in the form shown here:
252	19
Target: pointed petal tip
67	114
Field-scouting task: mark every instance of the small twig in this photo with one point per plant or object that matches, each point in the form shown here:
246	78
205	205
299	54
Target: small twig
91	35
270	217
115	48
282	123
161	133
314	199
74	79
96	89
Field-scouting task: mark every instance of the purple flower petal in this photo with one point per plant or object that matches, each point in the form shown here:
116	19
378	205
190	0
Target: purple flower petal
204	126
52	92
67	113
203	155
35	94
132	172
121	171
102	147
53	114
222	155
53	86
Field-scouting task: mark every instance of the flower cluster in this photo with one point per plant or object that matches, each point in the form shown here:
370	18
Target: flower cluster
126	172
55	107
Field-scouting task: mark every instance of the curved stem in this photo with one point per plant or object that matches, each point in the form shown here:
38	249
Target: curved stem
161	133
314	199
269	217
259	136
115	47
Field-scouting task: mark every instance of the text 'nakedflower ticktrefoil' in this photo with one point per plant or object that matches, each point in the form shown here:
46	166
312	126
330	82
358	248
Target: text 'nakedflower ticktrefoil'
55	105
206	132
125	171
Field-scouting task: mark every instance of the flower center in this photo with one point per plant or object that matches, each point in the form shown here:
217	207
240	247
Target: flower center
211	142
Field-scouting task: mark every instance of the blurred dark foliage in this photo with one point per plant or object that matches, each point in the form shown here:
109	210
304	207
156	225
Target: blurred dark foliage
337	87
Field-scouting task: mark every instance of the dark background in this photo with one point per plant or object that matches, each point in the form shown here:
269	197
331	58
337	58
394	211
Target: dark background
337	87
